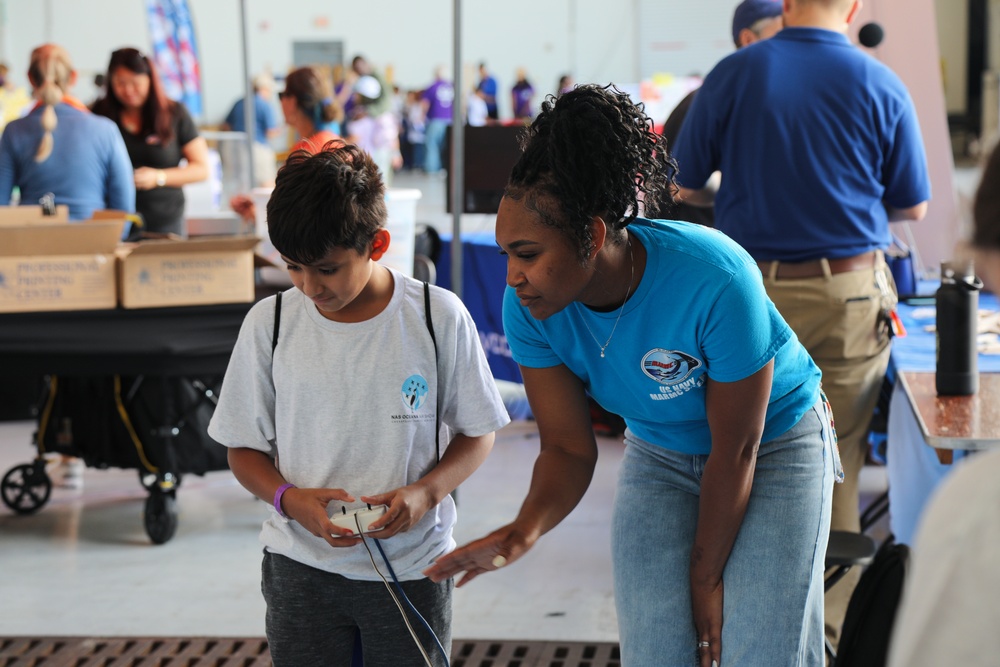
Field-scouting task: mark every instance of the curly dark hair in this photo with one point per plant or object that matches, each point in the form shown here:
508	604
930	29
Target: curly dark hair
333	199
592	152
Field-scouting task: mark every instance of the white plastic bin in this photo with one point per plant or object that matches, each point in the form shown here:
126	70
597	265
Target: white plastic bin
269	275
205	197
402	226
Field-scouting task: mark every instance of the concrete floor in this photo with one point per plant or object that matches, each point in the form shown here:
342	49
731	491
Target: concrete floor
83	564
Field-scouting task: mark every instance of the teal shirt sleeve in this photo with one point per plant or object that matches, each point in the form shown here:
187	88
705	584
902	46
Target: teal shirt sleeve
743	330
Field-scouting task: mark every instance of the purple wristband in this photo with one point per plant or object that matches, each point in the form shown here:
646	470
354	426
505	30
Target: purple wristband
277	498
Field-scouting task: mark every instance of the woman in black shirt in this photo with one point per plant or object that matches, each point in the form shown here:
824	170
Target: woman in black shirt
158	134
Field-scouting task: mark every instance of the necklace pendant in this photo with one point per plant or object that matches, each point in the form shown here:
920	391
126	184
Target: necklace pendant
602	353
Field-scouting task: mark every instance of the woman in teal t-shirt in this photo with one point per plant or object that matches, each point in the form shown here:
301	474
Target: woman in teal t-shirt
722	511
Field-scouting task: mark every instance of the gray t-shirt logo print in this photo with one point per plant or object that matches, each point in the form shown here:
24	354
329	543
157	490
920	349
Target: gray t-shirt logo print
414	391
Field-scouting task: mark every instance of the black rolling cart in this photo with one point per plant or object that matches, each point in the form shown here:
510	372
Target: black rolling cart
131	389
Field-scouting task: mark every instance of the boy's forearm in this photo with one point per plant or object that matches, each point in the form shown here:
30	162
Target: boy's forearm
462	457
255	471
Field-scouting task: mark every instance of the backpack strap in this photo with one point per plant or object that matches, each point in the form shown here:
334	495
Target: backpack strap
277	324
437	382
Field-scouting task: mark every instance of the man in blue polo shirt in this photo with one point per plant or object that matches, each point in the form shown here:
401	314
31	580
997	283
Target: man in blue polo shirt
264	161
753	20
819	149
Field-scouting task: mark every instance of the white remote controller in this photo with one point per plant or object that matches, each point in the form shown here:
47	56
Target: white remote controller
365	516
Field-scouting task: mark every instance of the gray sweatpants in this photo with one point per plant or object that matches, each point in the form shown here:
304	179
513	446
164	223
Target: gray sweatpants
314	616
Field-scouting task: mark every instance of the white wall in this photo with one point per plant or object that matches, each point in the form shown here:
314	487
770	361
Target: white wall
592	39
953	27
667	42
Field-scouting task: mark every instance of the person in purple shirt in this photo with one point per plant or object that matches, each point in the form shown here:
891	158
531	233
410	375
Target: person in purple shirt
437	100
521	95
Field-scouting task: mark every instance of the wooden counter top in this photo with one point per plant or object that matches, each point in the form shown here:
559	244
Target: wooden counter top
955	422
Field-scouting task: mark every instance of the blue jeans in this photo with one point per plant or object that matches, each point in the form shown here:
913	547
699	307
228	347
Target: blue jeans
773	580
433	143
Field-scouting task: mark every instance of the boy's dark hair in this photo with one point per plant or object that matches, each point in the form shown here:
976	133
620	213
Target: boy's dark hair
591	152
333	199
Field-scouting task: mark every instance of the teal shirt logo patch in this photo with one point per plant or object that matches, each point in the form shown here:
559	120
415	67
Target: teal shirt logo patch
669	367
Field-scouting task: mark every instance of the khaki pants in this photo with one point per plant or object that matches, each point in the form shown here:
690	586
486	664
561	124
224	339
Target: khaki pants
837	319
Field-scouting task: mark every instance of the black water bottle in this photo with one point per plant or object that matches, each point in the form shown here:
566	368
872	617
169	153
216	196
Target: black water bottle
957	317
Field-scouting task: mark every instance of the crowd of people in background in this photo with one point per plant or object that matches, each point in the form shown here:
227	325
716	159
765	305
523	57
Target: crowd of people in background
401	128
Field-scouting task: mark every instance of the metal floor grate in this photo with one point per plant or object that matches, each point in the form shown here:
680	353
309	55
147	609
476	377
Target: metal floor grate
253	652
492	653
133	652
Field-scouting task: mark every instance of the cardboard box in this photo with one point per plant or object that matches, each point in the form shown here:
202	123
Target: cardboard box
200	271
19	216
58	266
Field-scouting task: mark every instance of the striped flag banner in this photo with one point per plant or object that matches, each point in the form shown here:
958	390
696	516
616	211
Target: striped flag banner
175	51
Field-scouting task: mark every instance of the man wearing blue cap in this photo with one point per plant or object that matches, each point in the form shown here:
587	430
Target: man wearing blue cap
753	21
819	148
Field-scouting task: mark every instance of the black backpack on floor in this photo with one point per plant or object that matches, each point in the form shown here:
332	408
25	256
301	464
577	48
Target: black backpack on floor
120	421
871	613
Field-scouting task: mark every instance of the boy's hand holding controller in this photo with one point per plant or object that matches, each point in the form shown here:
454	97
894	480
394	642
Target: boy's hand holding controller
319	513
308	507
406	506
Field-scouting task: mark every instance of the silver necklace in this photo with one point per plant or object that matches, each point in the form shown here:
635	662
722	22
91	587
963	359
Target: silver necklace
621	310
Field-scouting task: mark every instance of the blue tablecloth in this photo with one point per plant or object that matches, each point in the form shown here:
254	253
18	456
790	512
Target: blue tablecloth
913	468
916	350
484	277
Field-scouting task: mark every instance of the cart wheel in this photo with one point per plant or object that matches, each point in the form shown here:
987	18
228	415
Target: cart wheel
160	516
26	487
167	482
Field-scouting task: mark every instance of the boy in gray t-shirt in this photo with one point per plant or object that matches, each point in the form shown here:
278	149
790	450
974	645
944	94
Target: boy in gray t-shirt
332	402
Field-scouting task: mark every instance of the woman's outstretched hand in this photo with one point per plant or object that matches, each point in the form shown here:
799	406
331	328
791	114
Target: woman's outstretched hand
501	547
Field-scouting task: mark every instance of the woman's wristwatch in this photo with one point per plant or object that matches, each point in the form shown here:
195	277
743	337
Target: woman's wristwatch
161	178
